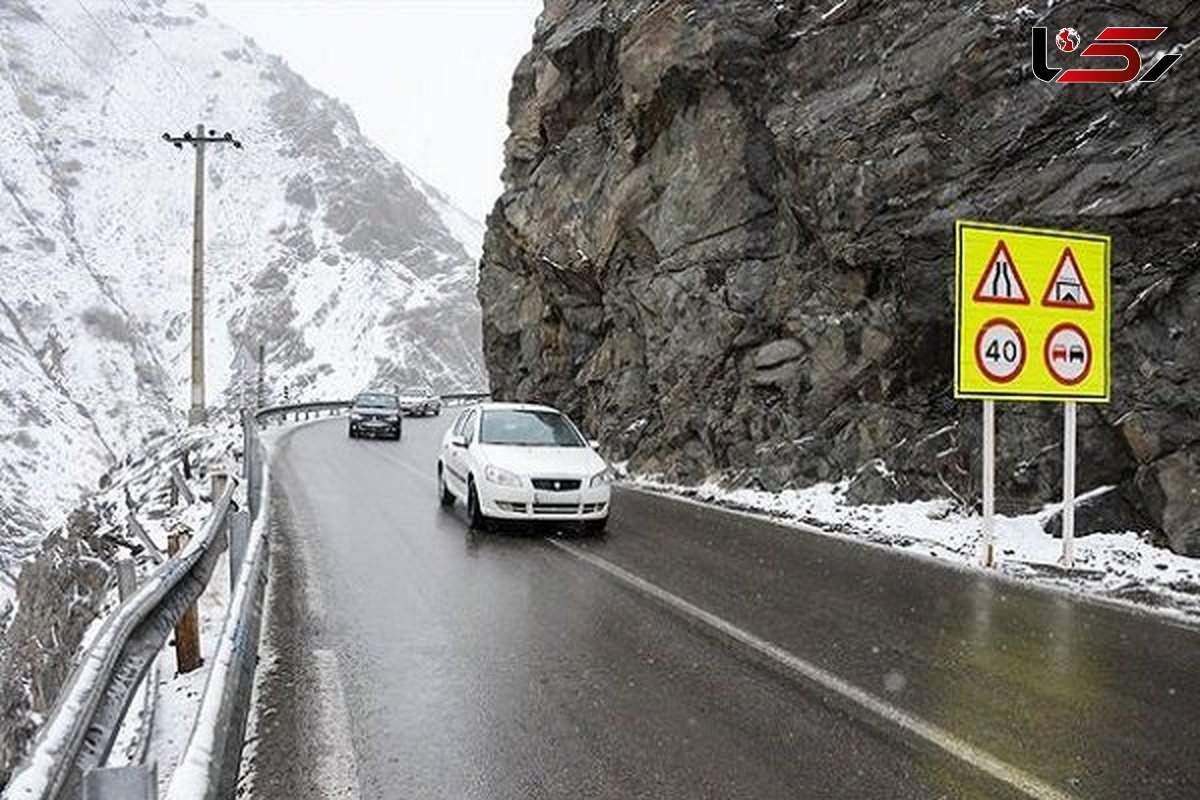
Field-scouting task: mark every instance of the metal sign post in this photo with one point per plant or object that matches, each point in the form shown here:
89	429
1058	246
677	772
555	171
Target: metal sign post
1068	511
989	482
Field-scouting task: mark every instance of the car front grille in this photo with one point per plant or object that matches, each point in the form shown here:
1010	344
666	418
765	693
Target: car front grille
556	508
557	484
551	508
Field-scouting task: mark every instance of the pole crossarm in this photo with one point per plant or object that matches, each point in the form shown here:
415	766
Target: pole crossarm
194	138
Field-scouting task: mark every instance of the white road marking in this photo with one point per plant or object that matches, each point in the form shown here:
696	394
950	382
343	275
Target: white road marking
939	737
336	768
312	588
425	475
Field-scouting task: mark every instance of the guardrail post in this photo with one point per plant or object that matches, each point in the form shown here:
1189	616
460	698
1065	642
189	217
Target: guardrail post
219	480
126	578
137	530
180	487
121	783
239	537
187	630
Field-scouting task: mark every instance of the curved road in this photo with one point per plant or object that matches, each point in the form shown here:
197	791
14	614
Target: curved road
691	653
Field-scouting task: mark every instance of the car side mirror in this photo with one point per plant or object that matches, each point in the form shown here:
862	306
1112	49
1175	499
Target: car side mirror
594	444
458	441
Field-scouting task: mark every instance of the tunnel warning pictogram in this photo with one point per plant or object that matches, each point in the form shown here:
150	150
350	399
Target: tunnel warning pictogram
1067	288
1001	282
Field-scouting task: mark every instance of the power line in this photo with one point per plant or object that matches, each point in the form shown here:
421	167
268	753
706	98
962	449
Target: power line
113	45
137	110
166	59
99	27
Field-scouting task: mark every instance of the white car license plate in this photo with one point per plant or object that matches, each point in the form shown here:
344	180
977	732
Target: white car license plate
556	497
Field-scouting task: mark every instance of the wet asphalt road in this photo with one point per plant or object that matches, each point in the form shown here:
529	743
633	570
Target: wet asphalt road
408	657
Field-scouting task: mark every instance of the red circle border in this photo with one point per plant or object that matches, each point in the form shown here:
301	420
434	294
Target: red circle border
1020	337
1087	370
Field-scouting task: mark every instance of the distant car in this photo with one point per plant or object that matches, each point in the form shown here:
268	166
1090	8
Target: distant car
523	462
420	400
375	414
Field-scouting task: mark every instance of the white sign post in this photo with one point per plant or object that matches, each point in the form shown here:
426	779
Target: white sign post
989	482
1068	511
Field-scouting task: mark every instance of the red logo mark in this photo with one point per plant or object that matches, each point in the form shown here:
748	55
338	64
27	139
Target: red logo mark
1113	42
1067	40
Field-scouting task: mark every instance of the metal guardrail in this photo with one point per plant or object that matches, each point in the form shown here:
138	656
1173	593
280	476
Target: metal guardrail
81	729
80	732
211	764
300	411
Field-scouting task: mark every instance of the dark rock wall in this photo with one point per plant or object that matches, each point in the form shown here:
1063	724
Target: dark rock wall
61	590
726	241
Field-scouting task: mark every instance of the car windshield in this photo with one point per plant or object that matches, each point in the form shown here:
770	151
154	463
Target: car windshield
375	401
417	391
528	428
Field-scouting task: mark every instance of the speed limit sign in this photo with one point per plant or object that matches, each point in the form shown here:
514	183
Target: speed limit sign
1000	350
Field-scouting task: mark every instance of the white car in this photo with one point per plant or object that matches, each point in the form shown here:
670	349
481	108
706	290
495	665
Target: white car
420	400
523	462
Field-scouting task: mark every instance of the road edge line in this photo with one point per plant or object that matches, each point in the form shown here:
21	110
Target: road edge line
927	731
337	763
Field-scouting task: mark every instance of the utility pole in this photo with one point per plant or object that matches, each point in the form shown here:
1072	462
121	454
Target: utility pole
260	393
197	413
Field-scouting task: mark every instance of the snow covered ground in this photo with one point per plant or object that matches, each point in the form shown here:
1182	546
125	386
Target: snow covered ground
345	267
179	696
1120	567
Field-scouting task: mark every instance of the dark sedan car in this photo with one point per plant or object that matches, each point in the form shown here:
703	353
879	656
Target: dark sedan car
375	414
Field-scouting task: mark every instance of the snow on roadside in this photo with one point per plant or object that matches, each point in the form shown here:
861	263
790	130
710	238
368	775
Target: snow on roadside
1121	567
179	696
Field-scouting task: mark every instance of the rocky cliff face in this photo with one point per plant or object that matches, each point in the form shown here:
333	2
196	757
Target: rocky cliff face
726	242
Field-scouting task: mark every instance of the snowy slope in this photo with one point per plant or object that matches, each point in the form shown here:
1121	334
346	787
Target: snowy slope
347	268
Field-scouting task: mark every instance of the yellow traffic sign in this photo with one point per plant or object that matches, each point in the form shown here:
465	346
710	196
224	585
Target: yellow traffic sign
1033	313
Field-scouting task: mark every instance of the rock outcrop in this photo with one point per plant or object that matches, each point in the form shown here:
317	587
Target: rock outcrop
726	241
61	590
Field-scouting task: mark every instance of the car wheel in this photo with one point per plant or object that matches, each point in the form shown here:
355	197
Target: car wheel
479	521
445	496
437	412
595	527
353	434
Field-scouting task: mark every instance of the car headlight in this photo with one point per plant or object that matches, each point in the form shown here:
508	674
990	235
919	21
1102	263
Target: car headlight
501	477
356	417
603	477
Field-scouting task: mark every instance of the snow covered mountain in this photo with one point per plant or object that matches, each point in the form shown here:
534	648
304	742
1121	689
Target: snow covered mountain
345	266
